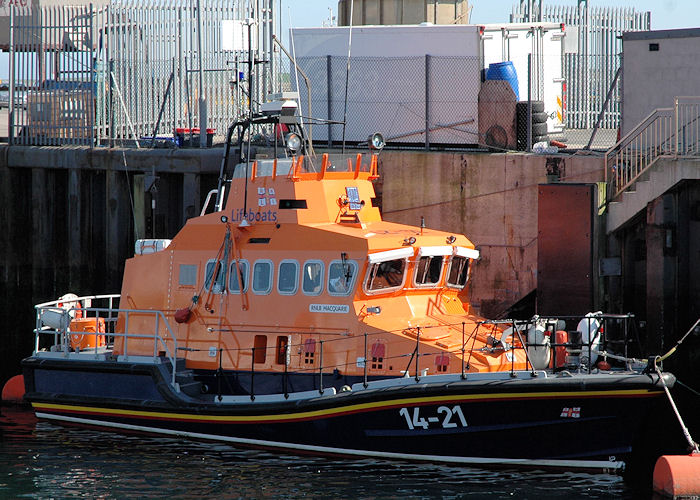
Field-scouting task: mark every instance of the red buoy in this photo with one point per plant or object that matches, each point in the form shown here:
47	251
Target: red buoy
13	391
678	475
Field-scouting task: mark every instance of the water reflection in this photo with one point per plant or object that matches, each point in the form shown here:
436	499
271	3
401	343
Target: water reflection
44	460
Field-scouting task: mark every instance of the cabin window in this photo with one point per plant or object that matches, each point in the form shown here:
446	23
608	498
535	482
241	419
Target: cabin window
387	275
292	204
442	362
288	277
220	279
260	345
188	275
378	355
341	277
458	273
282	343
312	281
235	280
429	270
309	351
262	277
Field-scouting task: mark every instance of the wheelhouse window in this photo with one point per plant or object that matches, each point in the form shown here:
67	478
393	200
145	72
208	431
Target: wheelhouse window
262	277
387	270
387	275
312	280
219	280
429	270
239	280
288	277
341	277
458	273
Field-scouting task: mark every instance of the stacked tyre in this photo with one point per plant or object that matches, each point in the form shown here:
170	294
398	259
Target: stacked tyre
539	123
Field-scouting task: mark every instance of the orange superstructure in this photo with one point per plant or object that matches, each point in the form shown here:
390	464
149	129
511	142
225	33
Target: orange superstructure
317	266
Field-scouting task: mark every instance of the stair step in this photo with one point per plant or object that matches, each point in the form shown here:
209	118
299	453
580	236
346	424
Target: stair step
191	388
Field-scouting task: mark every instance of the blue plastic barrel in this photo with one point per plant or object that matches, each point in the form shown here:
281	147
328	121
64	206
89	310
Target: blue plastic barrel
504	71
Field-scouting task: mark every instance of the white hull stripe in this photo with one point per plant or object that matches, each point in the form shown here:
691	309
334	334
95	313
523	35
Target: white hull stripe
602	465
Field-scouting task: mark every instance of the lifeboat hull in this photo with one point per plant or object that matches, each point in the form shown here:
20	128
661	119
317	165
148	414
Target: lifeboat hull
574	422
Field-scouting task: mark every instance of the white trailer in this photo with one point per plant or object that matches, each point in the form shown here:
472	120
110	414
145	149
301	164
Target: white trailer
545	42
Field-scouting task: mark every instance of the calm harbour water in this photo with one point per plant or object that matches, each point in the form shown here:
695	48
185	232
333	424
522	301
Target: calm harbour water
44	460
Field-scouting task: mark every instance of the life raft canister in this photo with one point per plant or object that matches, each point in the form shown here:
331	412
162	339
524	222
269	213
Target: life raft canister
87	333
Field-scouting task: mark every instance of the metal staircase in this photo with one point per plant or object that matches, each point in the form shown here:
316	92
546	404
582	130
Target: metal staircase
644	164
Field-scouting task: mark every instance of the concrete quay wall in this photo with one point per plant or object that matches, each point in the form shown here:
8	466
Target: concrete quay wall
492	199
69	216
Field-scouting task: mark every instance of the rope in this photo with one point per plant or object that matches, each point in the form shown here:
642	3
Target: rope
693	446
687	387
692	329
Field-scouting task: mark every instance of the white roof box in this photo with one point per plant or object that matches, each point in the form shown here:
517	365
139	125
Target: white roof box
144	247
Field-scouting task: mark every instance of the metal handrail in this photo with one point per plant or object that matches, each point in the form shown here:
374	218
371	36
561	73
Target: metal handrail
665	132
110	314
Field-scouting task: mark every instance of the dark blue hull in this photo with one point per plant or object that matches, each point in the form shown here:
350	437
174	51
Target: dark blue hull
582	421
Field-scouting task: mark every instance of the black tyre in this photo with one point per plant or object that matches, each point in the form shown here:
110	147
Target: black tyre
538	129
539	117
537	106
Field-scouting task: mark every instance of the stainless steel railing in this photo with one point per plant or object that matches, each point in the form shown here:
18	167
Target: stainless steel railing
54	318
665	132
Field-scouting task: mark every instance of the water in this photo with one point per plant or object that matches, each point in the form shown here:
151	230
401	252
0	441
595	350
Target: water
44	460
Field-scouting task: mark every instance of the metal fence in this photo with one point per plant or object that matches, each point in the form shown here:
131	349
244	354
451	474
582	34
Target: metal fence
423	101
593	53
407	99
151	63
131	70
52	77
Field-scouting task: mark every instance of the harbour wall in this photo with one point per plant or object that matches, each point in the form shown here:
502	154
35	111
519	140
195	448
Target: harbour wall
69	216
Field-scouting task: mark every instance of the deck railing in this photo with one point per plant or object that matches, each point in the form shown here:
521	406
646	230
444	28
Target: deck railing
665	132
598	342
53	319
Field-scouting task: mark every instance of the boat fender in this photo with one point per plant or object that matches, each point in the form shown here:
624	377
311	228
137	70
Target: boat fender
13	390
183	315
590	328
678	476
538	349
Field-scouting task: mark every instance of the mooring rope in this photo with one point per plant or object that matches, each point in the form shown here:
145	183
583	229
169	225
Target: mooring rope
693	446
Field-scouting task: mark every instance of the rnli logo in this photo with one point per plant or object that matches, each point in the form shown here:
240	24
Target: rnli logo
571	412
266	197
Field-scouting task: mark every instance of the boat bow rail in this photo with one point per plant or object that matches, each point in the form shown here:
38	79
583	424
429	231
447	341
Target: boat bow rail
84	328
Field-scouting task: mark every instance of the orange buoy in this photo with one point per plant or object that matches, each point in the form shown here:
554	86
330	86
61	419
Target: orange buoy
14	389
677	475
